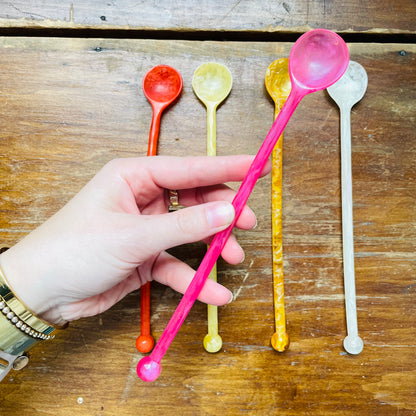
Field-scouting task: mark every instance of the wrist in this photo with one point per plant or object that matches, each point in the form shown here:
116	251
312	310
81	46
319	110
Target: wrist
20	329
23	279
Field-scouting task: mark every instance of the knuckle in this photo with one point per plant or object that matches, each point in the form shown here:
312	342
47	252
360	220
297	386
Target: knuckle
113	165
189	225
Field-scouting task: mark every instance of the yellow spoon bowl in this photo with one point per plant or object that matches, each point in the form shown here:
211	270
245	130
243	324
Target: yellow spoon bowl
212	82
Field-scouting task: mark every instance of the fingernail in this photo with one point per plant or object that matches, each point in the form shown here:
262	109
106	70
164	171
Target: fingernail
231	298
220	214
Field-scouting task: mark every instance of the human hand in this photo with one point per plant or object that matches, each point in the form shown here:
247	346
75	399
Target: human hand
111	238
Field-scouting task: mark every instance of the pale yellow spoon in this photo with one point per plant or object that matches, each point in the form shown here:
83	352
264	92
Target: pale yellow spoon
278	85
212	83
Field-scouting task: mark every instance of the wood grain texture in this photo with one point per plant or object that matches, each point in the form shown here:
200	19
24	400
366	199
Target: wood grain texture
67	106
358	16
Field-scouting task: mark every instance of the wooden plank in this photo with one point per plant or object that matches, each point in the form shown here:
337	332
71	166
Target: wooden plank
293	16
70	105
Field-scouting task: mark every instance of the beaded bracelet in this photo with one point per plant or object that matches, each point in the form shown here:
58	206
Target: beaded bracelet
25	328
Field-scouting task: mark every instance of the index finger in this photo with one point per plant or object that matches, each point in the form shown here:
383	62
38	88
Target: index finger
185	172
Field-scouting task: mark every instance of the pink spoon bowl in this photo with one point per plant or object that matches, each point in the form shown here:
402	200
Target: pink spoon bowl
317	60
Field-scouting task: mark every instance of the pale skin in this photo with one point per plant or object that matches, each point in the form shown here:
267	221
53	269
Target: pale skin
112	237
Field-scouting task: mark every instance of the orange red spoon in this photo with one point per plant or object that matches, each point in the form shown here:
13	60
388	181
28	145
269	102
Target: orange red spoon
161	85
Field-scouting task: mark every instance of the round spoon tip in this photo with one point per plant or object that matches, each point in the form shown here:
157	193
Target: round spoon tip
148	369
212	343
145	343
280	342
353	345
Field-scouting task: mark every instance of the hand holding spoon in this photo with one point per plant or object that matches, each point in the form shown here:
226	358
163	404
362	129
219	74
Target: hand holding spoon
348	91
212	83
161	86
278	85
317	60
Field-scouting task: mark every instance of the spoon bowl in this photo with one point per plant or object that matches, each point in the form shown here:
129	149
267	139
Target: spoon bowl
277	81
318	60
212	82
351	87
148	369
162	84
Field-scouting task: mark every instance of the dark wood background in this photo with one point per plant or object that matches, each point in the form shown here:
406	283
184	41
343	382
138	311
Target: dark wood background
71	100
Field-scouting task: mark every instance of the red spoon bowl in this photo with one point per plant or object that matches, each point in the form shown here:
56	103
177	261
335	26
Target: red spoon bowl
162	84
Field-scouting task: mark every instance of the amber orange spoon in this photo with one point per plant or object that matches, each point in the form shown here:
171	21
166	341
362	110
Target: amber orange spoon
278	85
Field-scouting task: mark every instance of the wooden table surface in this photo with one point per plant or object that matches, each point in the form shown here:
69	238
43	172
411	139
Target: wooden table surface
71	100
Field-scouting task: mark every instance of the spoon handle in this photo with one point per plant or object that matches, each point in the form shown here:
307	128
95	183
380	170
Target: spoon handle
212	341
221	238
154	130
145	341
212	314
347	223
280	339
145	310
211	130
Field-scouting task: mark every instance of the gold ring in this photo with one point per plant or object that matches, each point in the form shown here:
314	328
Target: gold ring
173	198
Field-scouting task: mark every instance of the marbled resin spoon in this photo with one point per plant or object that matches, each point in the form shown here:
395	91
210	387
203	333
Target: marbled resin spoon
212	82
278	85
346	92
161	85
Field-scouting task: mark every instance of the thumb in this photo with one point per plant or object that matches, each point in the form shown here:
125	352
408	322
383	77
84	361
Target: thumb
184	226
